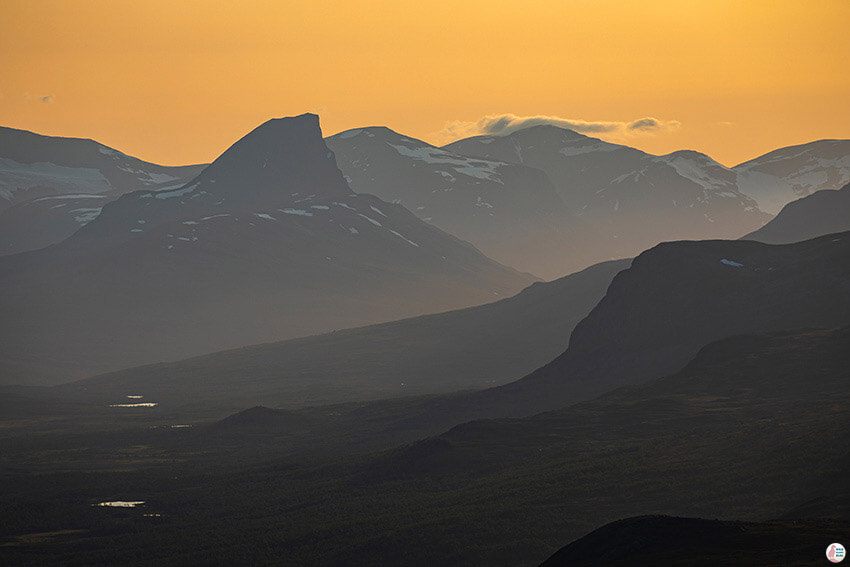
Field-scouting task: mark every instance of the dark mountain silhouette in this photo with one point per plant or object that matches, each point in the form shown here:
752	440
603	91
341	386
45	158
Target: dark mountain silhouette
733	434
665	540
655	316
50	186
631	200
476	347
510	212
781	176
822	212
681	295
267	243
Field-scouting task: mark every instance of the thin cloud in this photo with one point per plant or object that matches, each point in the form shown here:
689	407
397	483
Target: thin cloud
504	124
649	125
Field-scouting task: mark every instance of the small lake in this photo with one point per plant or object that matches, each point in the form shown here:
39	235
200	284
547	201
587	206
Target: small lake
121	503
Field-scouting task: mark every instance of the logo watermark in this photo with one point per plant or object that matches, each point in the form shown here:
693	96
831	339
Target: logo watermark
835	553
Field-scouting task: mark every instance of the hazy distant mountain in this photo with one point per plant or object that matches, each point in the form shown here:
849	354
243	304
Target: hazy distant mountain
786	174
476	347
510	212
267	243
822	212
633	200
50	187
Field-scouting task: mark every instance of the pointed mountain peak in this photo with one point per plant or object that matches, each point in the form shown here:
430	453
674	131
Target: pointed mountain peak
285	155
279	163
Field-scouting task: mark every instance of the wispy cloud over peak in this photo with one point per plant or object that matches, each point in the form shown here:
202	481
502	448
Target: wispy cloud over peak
504	124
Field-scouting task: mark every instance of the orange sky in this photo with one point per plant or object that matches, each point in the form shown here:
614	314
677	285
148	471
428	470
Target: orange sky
179	81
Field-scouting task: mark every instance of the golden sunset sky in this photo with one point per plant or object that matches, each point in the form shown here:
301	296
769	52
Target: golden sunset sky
178	81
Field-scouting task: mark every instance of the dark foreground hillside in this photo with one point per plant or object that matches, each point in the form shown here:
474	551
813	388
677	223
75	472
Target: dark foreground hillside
754	428
649	541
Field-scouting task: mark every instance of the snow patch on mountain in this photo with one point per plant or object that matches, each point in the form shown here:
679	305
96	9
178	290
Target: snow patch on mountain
86	214
16	176
689	169
167	194
404	238
586	148
297	212
464	166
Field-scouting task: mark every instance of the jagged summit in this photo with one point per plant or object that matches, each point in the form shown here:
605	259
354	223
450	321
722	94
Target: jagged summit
268	243
279	164
286	155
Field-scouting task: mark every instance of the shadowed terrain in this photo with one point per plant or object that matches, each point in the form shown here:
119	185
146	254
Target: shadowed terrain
477	347
733	435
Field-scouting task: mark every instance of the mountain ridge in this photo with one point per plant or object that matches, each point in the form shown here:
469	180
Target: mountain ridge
243	255
820	213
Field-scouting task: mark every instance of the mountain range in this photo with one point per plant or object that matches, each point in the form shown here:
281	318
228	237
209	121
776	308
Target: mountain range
410	399
628	199
512	213
544	200
50	187
266	243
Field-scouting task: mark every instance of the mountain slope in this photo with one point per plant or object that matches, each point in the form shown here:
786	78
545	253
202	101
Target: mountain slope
267	243
631	199
50	187
822	212
475	347
680	296
510	212
781	176
655	316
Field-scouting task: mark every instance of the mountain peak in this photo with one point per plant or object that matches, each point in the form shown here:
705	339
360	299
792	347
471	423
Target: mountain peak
689	154
282	154
551	130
